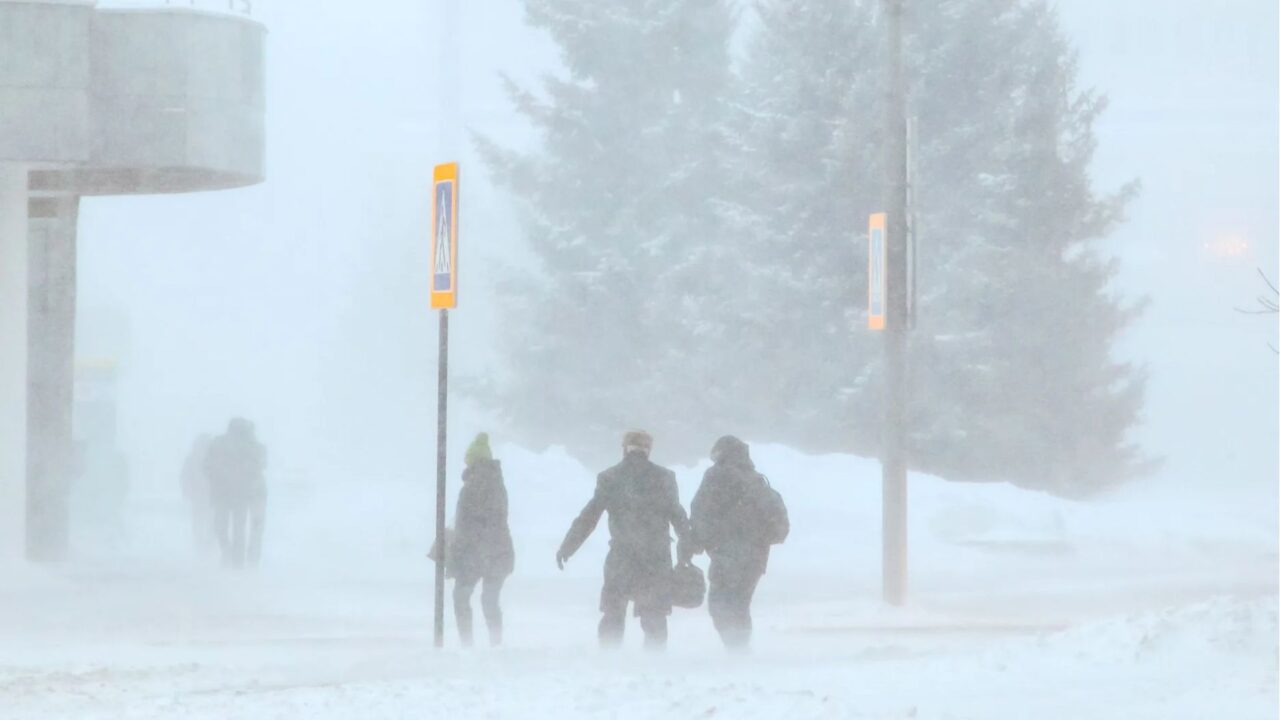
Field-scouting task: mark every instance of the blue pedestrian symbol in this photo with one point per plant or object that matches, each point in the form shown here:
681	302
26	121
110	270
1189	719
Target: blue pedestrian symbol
443	272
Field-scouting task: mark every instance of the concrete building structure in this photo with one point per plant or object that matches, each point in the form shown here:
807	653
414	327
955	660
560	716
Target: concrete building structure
96	101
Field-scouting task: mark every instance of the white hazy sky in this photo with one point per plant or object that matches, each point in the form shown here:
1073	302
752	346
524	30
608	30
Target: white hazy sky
301	302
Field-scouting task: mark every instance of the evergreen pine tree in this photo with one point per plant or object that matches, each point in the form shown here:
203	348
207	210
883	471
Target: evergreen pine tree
615	207
1006	193
806	128
1012	373
702	242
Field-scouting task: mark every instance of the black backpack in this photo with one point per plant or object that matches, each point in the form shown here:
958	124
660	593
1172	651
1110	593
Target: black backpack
770	511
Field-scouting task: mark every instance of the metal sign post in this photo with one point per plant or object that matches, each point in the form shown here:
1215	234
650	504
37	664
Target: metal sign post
444	296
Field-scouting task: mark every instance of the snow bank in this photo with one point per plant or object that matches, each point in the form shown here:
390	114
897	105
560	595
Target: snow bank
964	537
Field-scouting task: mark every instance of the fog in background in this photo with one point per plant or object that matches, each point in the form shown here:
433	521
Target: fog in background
301	302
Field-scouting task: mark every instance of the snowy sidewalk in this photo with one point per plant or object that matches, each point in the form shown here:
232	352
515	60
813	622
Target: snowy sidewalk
191	645
1154	603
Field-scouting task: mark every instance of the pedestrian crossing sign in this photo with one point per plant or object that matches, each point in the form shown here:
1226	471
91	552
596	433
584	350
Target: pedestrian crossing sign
444	236
876	256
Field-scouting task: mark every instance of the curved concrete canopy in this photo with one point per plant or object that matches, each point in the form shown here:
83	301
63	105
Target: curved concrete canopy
130	101
96	101
44	82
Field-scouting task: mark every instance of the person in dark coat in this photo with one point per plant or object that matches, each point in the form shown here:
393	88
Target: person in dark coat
481	548
235	466
643	503
735	517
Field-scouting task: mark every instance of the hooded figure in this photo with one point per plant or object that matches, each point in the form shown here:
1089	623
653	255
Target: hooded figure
234	466
481	548
735	517
643	503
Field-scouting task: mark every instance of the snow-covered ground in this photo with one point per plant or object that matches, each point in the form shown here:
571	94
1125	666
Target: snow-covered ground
1152	603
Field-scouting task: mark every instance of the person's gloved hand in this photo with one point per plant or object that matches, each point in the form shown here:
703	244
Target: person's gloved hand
561	559
684	553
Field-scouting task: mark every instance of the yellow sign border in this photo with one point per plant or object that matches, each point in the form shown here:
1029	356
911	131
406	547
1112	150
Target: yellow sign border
447	299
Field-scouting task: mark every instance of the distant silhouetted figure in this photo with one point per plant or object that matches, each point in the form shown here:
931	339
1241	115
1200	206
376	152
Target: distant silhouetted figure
198	493
643	503
480	549
735	517
235	466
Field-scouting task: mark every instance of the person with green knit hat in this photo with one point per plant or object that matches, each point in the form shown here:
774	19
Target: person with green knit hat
479	449
481	550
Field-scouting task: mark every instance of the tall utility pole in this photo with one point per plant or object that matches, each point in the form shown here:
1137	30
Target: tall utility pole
893	442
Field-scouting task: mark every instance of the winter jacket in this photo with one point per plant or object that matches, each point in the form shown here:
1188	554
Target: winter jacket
481	544
735	516
235	468
643	503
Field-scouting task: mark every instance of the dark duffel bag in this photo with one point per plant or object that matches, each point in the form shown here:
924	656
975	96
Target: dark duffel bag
688	586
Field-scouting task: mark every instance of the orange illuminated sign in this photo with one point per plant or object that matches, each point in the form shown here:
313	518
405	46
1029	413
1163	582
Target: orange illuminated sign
876	258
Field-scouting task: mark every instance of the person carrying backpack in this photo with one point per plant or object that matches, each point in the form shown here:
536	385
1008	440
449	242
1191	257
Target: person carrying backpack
735	517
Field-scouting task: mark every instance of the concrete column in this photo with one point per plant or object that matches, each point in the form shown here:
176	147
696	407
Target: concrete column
13	357
51	322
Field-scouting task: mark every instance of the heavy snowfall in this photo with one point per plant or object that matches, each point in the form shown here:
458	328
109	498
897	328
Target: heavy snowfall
662	226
